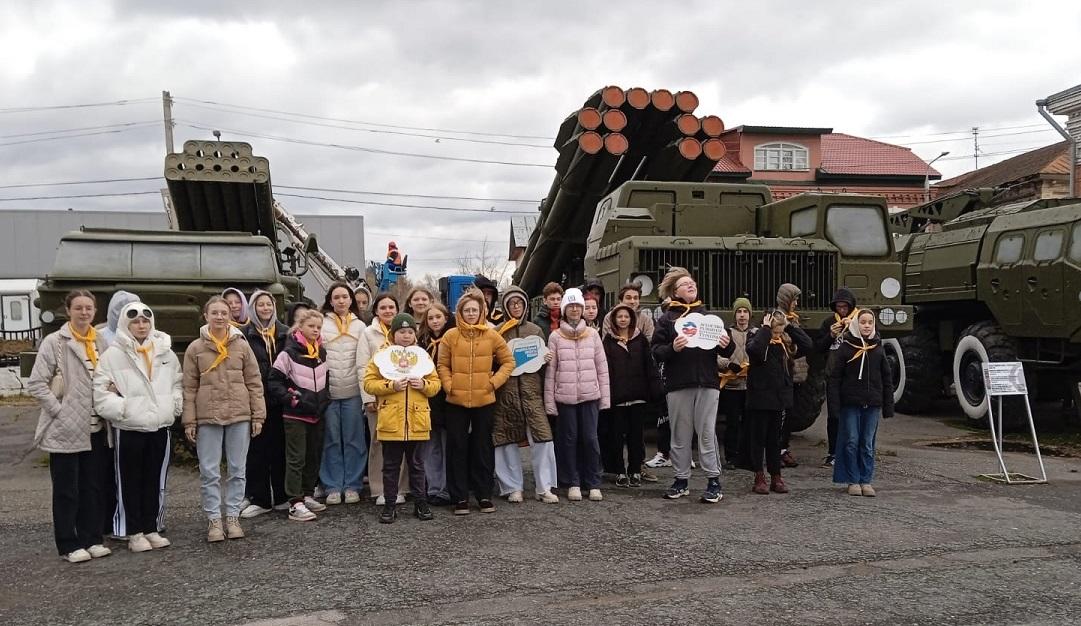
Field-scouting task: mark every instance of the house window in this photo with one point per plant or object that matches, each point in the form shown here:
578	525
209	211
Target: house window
780	156
16	309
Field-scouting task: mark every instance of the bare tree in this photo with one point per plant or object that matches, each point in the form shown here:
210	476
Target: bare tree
486	261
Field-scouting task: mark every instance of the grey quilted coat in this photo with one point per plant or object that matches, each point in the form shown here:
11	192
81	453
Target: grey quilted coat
65	425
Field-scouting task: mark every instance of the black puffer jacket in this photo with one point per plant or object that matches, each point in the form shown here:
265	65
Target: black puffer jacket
861	380
769	381
825	340
258	345
690	367
631	370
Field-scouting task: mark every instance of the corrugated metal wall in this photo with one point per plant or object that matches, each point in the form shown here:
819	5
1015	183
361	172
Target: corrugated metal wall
28	238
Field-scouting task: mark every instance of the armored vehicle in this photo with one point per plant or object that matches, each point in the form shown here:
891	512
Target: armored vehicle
998	283
739	243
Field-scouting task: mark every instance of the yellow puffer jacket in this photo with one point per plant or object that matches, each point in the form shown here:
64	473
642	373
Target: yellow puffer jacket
402	415
467	358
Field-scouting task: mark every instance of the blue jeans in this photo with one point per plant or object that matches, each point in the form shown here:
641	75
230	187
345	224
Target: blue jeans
210	439
345	450
578	451
855	454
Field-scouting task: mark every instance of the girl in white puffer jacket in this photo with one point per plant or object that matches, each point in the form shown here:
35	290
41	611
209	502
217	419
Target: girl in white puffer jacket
137	387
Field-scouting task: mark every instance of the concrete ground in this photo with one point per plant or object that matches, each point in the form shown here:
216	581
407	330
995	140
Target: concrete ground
937	546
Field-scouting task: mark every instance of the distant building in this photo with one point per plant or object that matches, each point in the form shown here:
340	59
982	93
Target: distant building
521	227
1040	173
29	237
792	160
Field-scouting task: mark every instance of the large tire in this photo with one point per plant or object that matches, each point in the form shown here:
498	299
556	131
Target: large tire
808	398
981	343
919	383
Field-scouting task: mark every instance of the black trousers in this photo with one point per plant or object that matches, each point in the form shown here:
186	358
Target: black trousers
765	436
606	435
141	462
626	425
734	439
470	455
413	452
664	434
266	462
79	494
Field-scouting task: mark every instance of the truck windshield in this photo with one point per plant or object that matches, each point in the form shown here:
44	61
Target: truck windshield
857	230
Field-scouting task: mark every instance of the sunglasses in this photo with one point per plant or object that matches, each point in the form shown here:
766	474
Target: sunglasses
145	312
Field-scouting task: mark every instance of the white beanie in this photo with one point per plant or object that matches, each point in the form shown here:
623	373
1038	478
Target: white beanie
571	296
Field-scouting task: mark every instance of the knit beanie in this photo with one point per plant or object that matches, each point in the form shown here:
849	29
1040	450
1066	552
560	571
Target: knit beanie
571	296
741	303
402	320
668	283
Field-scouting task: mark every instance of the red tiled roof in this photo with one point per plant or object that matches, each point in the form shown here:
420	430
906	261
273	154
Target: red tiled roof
845	154
731	163
1052	159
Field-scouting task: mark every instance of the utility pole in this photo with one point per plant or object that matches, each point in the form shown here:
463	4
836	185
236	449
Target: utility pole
976	146
167	108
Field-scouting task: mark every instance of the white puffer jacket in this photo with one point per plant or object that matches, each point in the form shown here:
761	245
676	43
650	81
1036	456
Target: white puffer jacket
143	401
372	340
342	356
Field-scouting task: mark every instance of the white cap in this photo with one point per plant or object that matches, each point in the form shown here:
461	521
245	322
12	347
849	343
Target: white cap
571	296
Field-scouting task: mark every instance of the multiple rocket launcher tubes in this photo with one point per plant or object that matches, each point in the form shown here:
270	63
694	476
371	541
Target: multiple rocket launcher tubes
616	136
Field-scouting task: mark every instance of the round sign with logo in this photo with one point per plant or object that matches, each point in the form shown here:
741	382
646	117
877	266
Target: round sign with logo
701	331
400	362
528	354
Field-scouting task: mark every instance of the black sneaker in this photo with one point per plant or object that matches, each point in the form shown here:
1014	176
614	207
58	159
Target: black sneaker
439	501
713	491
622	481
421	510
486	506
828	461
461	508
390	511
677	490
635	480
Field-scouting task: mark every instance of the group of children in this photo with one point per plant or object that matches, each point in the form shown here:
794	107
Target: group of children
428	404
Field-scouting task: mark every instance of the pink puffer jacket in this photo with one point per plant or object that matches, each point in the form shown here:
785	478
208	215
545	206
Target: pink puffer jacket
578	371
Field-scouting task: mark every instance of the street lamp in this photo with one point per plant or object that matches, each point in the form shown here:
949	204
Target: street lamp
927	177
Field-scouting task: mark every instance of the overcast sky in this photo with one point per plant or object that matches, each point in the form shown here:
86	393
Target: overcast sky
918	74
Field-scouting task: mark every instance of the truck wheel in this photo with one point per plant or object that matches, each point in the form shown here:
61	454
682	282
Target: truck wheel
919	383
808	398
980	343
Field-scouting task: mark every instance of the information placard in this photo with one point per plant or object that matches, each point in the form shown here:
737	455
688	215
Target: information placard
701	331
1004	379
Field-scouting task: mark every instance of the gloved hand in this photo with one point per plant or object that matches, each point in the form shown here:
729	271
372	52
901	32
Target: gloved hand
294	398
734	367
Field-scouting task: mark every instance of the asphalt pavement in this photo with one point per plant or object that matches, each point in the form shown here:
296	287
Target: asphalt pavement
937	546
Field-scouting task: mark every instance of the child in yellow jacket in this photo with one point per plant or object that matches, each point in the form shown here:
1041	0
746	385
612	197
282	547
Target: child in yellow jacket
404	421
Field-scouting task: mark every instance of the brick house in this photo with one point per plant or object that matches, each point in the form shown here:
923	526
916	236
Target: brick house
793	160
1040	173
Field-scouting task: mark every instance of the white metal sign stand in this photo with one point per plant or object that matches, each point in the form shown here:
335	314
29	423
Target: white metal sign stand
1008	379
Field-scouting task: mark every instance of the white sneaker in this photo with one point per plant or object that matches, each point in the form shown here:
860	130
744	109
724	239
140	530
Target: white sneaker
253	510
319	492
574	494
76	556
334	497
659	460
314	505
400	499
98	551
515	496
245	503
352	496
284	506
380	501
548	497
300	513
693	464
157	541
595	495
139	543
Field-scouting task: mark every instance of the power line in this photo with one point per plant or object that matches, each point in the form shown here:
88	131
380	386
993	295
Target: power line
407	206
82	182
77	106
72	130
373	130
404	195
305	142
361	122
84	195
1027	132
77	135
410	236
967	131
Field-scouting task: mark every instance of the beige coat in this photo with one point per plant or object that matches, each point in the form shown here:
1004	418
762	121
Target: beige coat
65	425
230	393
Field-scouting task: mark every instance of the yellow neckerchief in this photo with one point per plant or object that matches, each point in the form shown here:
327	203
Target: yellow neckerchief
623	341
846	320
386	333
793	317
779	341
147	350
236	324
728	376
509	324
861	351
89	342
312	347
686	307
222	347
269	339
434	346
343	325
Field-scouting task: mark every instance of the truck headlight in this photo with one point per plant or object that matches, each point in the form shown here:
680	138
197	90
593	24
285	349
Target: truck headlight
646	282
890	288
47	317
886	316
901	316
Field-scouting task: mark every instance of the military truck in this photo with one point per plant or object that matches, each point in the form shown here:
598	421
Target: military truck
738	242
991	283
